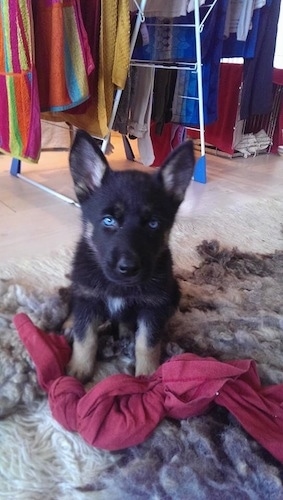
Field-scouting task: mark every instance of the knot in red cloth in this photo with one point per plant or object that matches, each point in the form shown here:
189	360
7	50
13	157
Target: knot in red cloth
121	411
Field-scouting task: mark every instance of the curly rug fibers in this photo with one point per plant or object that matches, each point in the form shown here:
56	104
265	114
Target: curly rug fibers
231	308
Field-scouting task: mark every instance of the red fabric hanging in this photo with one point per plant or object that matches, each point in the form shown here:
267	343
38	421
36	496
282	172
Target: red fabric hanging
172	136
278	134
220	133
122	410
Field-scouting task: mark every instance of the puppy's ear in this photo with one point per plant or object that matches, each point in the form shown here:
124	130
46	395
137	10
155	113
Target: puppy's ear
87	165
177	170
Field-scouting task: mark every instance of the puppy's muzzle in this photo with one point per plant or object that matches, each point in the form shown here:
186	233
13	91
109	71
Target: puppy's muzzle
128	266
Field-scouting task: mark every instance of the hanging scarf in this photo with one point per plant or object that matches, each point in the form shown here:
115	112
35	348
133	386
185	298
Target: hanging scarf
20	133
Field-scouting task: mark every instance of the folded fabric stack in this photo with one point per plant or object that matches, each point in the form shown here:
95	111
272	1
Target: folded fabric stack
252	144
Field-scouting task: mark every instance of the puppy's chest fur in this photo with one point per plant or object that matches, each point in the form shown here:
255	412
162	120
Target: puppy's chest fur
123	303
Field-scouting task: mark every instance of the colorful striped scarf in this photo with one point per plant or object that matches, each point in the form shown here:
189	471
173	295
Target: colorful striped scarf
45	60
62	54
20	132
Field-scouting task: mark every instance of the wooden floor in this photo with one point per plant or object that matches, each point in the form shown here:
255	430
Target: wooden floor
34	222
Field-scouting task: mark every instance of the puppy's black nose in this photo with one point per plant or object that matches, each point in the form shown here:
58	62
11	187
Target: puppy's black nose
128	265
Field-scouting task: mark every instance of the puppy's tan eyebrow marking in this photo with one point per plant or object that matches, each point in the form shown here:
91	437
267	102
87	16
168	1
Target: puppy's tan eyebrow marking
146	212
117	210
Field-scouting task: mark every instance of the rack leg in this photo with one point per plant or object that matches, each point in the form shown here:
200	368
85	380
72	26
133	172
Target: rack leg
200	170
15	167
15	170
128	150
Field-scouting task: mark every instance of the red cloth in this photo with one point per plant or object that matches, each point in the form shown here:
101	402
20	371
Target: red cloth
123	411
220	133
278	133
172	136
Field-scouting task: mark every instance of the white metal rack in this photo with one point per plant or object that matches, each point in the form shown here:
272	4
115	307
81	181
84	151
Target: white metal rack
200	169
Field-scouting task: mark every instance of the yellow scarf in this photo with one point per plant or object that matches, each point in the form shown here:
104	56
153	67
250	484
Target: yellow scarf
114	58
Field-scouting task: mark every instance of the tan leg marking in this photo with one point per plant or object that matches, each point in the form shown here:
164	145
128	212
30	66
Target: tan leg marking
147	358
82	362
68	325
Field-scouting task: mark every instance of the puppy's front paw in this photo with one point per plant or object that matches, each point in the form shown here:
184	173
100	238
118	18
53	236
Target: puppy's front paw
146	369
147	358
82	363
67	327
82	371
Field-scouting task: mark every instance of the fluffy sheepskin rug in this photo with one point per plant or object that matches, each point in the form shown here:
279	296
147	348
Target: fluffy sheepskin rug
231	308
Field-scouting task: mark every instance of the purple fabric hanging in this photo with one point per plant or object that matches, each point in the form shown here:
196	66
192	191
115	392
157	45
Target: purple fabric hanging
257	77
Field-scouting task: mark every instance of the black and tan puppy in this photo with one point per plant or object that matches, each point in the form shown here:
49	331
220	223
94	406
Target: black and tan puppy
122	268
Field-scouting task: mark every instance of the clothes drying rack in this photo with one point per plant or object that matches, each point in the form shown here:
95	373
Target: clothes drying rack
200	168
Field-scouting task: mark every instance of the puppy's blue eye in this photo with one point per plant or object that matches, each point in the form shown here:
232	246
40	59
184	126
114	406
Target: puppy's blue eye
153	224
109	221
